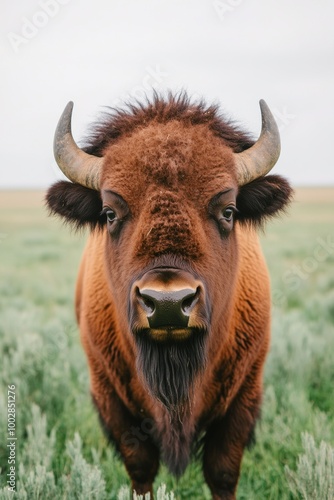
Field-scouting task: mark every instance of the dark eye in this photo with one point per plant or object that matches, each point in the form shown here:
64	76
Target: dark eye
227	213
111	215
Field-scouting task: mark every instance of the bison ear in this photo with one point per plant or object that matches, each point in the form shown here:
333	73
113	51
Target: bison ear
263	198
76	204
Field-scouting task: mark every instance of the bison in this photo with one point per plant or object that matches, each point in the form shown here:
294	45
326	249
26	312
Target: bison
173	296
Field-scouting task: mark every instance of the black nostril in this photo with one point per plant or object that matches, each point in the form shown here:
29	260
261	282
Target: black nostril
146	301
189	302
149	305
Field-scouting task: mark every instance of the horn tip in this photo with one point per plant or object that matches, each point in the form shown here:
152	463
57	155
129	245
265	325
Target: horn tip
63	127
67	110
268	121
263	105
68	107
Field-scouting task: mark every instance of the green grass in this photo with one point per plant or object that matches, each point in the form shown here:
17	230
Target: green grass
61	451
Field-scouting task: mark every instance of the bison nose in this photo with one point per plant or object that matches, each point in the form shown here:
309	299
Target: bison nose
170	308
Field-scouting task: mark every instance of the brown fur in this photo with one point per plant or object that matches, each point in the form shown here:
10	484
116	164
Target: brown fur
168	163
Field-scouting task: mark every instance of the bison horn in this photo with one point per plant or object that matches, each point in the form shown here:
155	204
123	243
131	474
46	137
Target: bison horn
78	166
259	159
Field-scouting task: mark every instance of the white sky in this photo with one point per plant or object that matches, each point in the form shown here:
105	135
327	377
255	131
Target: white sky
232	51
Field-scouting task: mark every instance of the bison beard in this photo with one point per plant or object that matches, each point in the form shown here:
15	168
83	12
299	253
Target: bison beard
169	368
169	371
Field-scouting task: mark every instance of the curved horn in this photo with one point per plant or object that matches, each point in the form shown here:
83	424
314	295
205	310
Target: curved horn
259	159
77	165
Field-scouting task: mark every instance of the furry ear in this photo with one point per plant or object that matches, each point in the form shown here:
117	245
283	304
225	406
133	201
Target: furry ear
76	204
263	198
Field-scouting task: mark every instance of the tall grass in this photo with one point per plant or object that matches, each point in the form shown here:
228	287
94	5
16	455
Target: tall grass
61	451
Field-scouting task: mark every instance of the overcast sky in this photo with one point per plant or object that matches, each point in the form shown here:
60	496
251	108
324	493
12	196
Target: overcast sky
231	51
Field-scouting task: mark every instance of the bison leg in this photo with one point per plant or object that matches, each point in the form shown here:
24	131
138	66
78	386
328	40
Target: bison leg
131	437
225	442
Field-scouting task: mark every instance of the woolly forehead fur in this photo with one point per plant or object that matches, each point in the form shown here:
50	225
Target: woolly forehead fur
169	157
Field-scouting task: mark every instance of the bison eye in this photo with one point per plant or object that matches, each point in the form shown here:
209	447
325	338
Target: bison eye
114	214
227	213
110	214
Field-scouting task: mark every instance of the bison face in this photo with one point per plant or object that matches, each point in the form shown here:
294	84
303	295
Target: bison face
169	195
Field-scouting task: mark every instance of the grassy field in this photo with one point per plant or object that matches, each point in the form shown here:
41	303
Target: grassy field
60	451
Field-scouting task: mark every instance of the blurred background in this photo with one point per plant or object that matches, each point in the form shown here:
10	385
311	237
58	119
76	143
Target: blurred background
100	53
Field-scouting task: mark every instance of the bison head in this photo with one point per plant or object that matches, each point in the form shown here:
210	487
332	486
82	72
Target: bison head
167	184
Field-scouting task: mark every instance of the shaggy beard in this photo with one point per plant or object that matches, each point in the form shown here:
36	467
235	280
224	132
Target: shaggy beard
169	369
